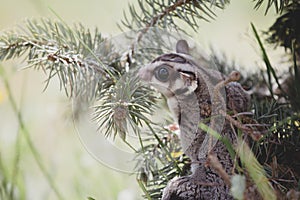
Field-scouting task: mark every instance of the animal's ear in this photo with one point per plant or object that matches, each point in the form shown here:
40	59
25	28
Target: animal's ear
182	47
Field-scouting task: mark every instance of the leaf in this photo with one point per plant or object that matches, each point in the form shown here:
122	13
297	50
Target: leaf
270	69
255	170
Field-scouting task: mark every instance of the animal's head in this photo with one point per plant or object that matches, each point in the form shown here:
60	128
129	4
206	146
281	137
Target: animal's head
172	73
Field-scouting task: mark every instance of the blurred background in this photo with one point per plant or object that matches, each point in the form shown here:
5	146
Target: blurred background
48	114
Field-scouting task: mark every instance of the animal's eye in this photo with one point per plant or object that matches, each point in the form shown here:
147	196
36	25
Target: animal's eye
162	73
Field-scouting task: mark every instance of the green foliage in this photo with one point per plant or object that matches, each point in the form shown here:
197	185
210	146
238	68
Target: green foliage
255	170
126	103
279	5
60	51
270	70
8	190
164	13
160	160
286	30
279	149
26	134
92	68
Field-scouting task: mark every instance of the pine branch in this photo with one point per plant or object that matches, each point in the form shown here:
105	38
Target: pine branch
88	67
167	14
59	51
164	13
286	31
279	5
160	161
124	106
